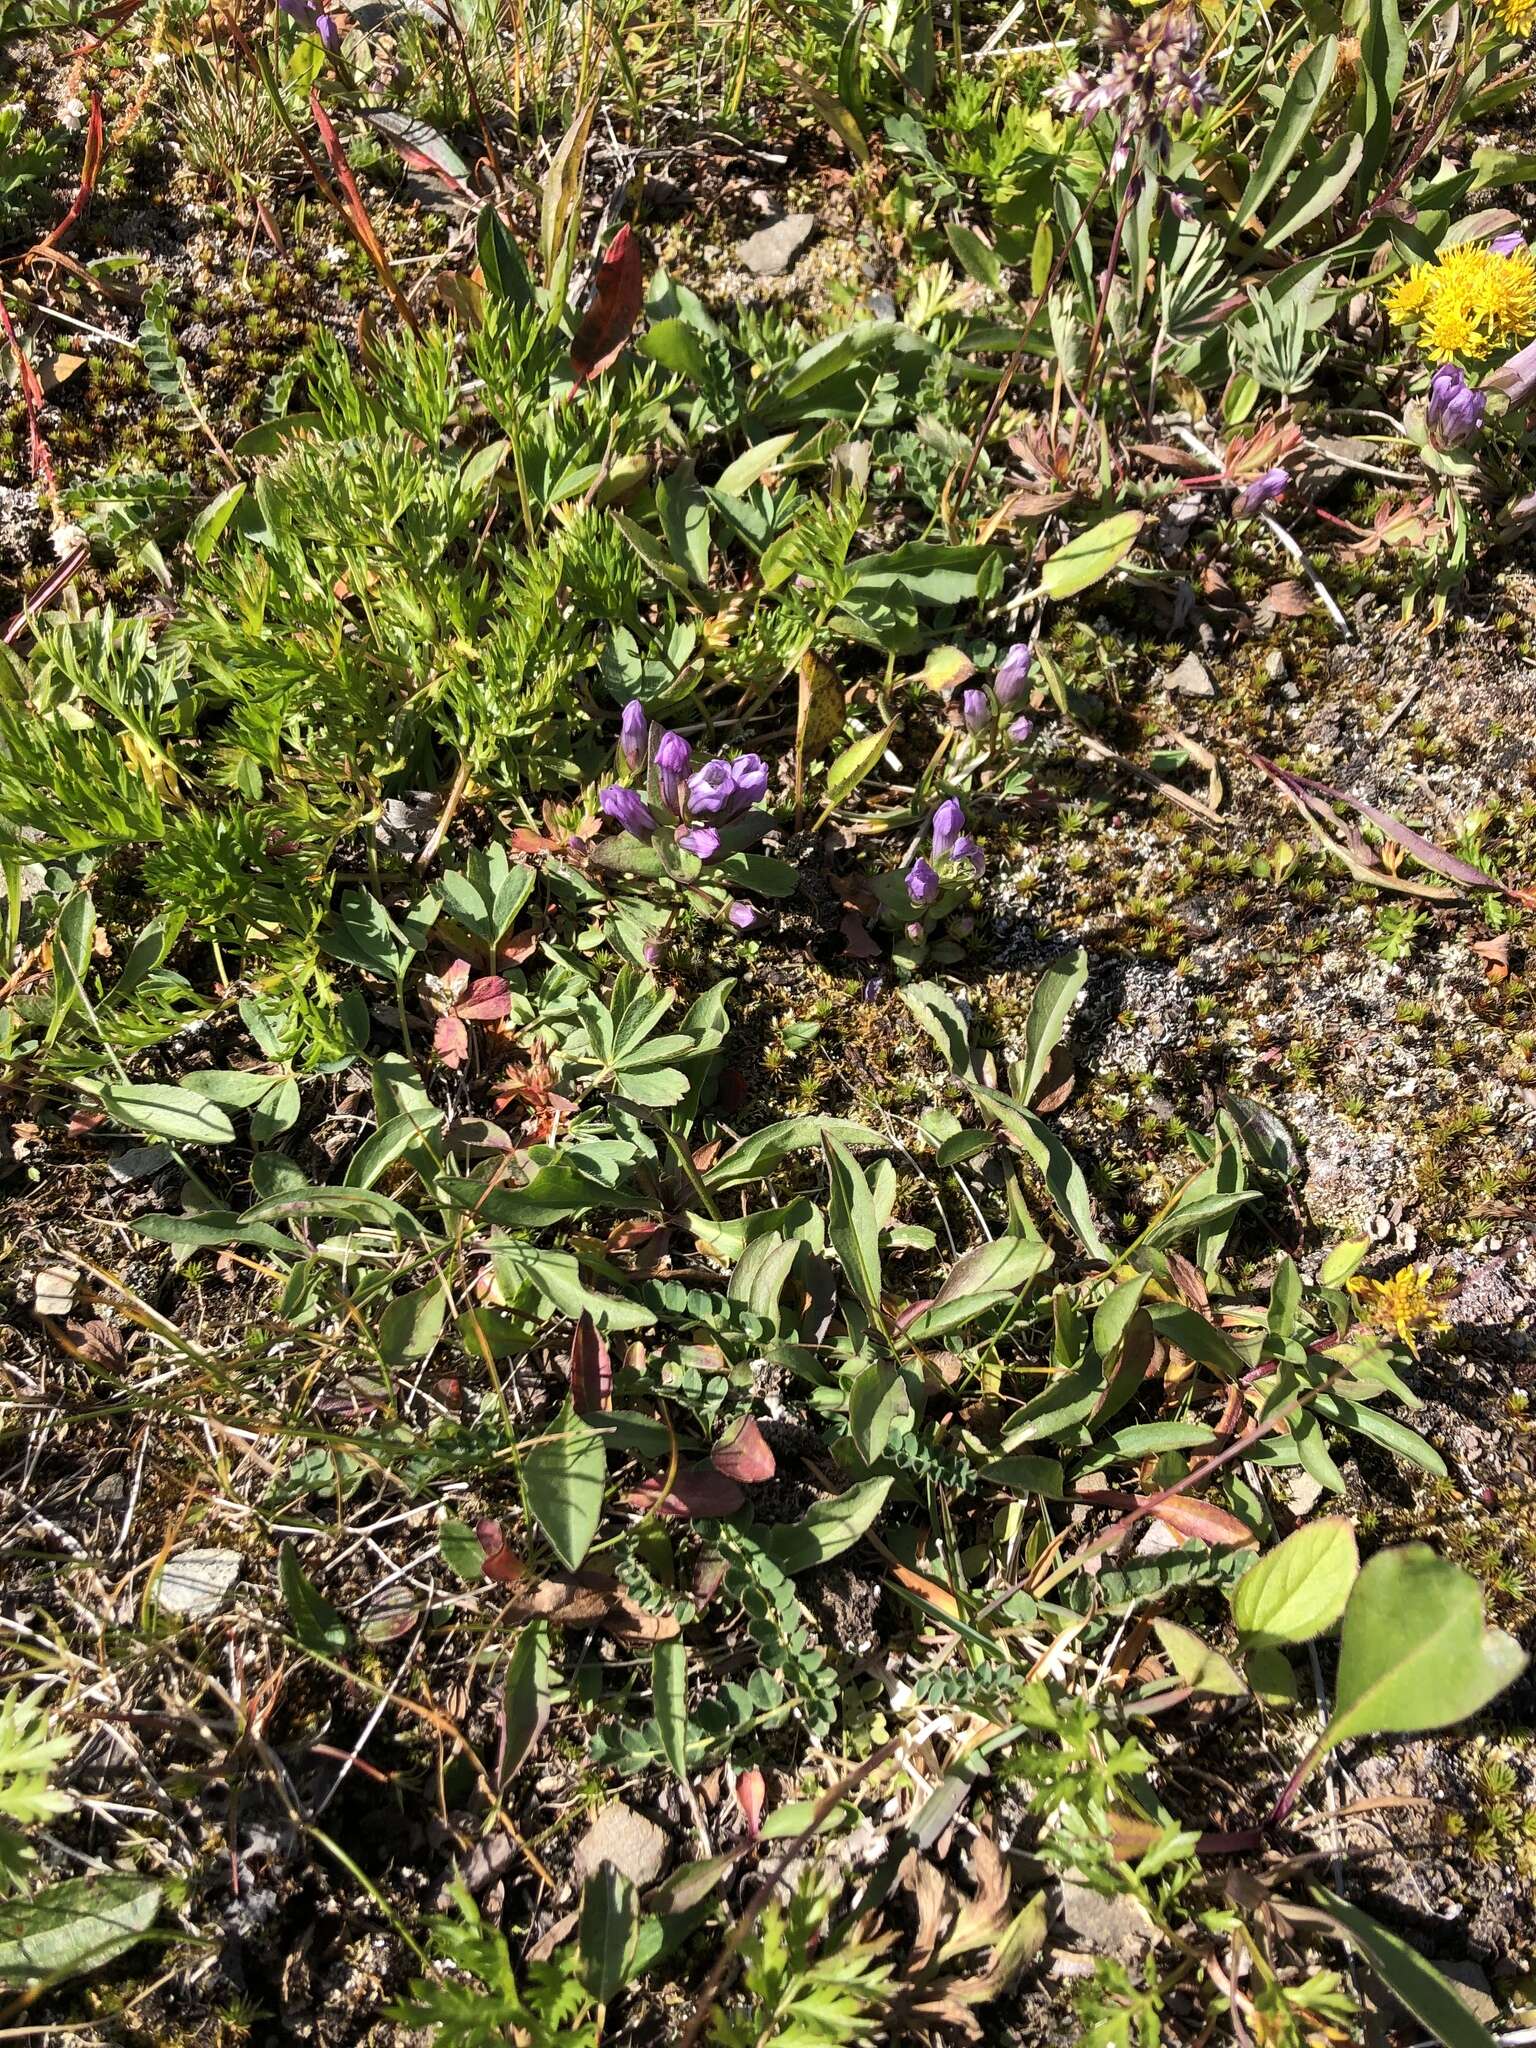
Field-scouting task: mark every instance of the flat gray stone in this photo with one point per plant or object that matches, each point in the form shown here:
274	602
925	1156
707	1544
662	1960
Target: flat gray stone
1104	1927
773	249
198	1583
1191	678
635	1846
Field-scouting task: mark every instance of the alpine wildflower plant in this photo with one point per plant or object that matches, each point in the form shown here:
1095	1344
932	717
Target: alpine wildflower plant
1473	300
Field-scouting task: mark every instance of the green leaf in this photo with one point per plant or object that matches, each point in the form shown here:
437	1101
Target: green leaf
1055	993
1383	66
852	1224
1413	1981
874	1400
1415	1653
67	1929
1314	189
978	259
203	533
1344	1259
1291	127
525	1699
1061	1173
461	1551
679	347
316	1624
828	1528
943	1020
563	1478
1087	558
1301	1586
163	1111
669	1690
981	1278
1198	1666
853	764
757	1156
610	1918
412	1324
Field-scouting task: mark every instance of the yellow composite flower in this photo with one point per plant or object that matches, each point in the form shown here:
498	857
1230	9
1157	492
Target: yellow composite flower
1405	1303
1471	301
1515	17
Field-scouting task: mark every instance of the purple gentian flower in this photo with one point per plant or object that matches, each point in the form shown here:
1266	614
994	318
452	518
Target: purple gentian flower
673	754
977	710
1455	410
1507	245
635	734
1020	730
702	840
967	849
923	885
1012	678
743	916
627	808
948	824
751	780
1261	492
711	791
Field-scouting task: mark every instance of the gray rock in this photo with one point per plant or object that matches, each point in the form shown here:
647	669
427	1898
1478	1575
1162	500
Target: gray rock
1191	678
1473	1989
773	249
1105	1927
635	1846
198	1583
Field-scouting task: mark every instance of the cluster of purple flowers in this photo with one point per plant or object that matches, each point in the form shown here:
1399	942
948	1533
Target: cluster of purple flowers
1152	78
982	709
954	851
1455	410
698	801
1263	490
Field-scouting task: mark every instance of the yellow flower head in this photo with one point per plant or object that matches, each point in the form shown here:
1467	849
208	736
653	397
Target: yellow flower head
1515	17
1404	1303
1473	300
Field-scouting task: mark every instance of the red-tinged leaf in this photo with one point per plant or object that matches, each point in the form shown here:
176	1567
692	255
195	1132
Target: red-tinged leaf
450	1041
1496	952
32	399
351	206
614	308
700	1491
501	1564
1424	851
751	1797
485	1000
1199	1521
95	145
591	1369
744	1455
521	946
857	943
420	146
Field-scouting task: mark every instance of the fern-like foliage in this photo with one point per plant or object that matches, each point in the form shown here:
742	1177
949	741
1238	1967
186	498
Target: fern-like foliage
797	1992
28	1756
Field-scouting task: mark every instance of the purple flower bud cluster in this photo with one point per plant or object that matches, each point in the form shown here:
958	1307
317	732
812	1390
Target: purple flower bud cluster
954	851
1455	410
700	801
982	709
1264	490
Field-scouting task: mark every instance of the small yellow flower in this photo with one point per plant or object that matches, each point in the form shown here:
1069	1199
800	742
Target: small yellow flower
1404	1302
1471	301
1515	17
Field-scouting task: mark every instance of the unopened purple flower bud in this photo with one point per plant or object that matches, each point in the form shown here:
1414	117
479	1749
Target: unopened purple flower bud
962	927
1012	678
977	709
702	840
743	916
1020	730
329	32
915	929
1261	492
1455	411
635	733
1507	245
948	824
966	849
628	809
673	754
923	885
653	952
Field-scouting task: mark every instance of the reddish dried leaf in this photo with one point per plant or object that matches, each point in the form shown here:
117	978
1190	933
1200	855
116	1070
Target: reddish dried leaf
591	1369
1290	599
450	1041
485	1000
32	399
613	310
1496	952
700	1490
744	1455
501	1564
356	213
592	1599
857	943
1201	1521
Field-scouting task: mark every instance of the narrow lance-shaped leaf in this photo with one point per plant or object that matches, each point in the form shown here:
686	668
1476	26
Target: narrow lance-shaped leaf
563	1478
